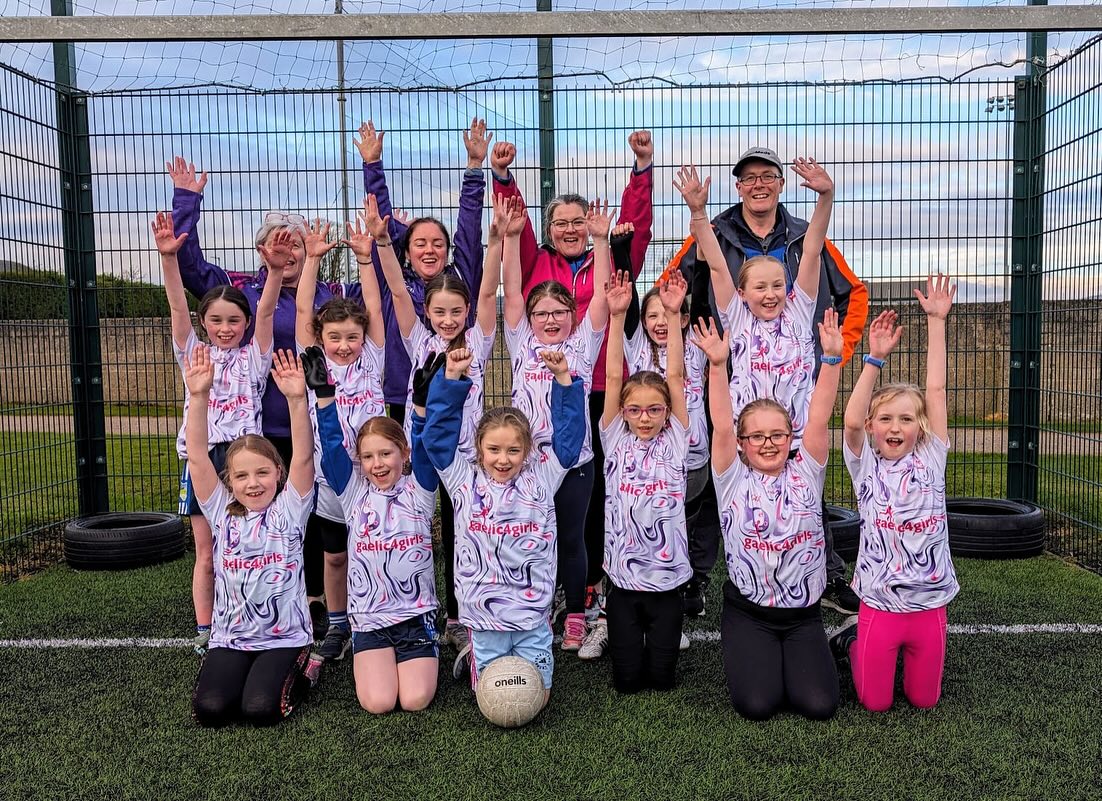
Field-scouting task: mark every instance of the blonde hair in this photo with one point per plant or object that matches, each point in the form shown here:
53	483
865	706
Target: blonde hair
889	392
387	428
751	263
503	417
261	446
761	405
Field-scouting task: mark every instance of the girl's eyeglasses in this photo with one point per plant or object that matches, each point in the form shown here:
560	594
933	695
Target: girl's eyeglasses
635	412
776	438
558	315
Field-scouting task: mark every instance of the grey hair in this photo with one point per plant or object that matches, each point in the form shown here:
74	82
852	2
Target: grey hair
269	228
562	200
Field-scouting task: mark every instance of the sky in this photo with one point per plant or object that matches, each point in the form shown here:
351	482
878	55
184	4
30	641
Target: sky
920	155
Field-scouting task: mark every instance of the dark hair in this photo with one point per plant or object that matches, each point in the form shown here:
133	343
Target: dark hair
420	221
260	446
500	417
556	291
652	294
230	294
388	428
447	282
337	310
649	379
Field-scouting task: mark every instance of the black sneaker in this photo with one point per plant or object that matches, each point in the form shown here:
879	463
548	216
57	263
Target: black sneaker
692	599
319	616
335	645
839	597
842	639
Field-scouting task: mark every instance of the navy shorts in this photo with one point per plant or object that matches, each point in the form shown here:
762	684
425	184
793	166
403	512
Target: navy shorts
411	639
188	504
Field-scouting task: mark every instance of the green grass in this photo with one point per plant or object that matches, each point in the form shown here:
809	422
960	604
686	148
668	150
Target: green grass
109	410
1018	719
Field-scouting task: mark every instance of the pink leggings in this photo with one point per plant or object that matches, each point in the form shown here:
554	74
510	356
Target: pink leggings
880	637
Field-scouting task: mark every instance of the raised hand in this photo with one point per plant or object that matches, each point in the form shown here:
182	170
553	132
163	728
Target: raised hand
884	334
182	174
556	362
477	142
830	335
288	375
315	372
501	158
317	239
706	336
370	143
814	176
373	222
199	370
163	234
694	192
672	292
598	219
939	296
459	361
422	377
358	240
618	293
505	210
276	252
642	145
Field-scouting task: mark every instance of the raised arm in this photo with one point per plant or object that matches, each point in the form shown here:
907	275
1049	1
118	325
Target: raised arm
695	193
168	245
569	419
718	351
817	429
276	254
817	179
317	245
404	311
618	298
198	274
884	335
199	377
501	158
637	201
443	408
360	242
491	275
512	274
289	378
937	302
597	222
467	252
370	147
672	294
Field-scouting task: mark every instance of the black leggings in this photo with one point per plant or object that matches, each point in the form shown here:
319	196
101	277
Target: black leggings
770	655
644	635
595	517
313	547
571	502
259	687
702	523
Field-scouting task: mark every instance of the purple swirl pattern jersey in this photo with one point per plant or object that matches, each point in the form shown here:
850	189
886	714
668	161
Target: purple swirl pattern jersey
359	398
646	541
419	345
505	543
390	574
259	590
903	564
532	380
773	531
641	352
773	358
240	375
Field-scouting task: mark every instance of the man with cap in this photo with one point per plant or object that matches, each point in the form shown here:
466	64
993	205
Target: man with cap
760	224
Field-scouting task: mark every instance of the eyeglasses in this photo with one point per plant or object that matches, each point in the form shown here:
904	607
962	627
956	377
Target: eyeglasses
284	217
558	315
764	180
635	412
562	225
776	438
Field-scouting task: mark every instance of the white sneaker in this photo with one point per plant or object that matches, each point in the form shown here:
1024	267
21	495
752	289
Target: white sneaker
595	642
684	644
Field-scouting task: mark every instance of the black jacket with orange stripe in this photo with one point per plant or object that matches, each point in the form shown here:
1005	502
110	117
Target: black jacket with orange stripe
837	283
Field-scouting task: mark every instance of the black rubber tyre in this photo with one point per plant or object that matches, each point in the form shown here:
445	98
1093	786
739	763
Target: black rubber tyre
993	528
845	528
123	540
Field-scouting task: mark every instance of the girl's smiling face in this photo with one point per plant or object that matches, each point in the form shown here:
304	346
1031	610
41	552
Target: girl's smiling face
342	342
447	313
225	324
502	452
764	289
253	479
382	460
552	321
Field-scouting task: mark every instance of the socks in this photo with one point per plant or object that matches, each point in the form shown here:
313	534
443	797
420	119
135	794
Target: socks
340	620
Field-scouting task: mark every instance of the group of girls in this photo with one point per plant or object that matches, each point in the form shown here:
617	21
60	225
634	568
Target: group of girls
515	482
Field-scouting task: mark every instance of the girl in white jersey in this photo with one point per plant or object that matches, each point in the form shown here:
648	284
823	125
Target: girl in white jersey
447	308
645	434
547	321
896	446
774	646
352	349
241	371
505	517
771	333
261	634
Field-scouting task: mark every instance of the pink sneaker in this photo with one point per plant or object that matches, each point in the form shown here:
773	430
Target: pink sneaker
574	632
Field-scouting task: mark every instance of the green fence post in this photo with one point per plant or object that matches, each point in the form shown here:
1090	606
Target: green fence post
78	234
545	69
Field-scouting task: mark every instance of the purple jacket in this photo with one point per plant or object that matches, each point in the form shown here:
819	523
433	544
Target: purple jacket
200	276
466	264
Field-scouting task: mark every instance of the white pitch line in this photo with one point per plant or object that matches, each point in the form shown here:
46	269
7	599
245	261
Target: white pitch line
966	629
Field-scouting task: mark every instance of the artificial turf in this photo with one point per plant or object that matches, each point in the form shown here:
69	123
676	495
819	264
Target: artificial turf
1019	718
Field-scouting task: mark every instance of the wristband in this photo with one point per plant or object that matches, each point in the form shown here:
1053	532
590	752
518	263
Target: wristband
830	359
875	362
379	244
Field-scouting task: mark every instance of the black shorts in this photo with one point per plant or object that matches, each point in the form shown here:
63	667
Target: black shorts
334	536
411	639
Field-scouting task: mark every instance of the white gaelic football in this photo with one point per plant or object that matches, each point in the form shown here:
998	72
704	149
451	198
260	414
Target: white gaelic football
510	691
